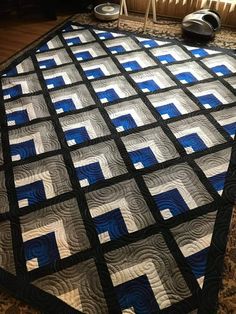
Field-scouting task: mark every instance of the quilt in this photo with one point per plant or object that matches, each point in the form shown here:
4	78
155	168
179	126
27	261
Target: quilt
117	173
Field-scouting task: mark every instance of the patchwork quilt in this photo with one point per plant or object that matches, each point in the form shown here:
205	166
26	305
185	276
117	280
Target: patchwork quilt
117	173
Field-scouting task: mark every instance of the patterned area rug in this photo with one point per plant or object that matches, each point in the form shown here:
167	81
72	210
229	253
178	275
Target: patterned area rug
164	27
115	190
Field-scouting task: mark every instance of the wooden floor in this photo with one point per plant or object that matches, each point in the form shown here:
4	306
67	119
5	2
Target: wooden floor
16	33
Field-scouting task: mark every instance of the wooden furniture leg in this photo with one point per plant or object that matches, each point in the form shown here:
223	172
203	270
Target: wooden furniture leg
154	10
123	8
146	15
121	11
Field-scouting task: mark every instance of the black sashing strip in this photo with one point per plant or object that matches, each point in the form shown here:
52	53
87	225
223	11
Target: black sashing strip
193	58
178	84
168	236
121	149
165	125
229	191
81	200
17	242
216	253
185	157
147	69
116	244
139	180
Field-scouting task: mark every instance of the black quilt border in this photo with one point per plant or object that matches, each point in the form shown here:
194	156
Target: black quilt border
209	300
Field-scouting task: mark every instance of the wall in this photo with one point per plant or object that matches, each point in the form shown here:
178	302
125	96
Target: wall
170	9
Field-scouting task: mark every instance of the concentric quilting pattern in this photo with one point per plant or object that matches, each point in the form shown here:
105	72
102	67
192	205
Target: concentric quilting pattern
40	180
103	34
152	80
151	42
149	147
170	54
215	168
144	275
130	114
112	89
196	134
78	36
121	45
172	193
4	207
194	239
53	58
212	94
14	86
53	43
221	65
201	52
99	68
1	152
61	76
52	233
118	210
6	252
32	140
189	72
25	109
23	67
172	104
135	61
88	51
71	27
231	81
97	163
71	98
84	126
117	176
227	119
78	285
